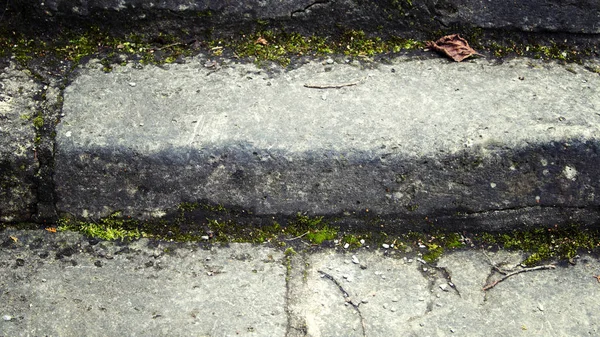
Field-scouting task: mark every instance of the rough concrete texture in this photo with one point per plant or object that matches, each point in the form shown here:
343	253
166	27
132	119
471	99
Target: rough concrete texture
64	284
412	138
20	100
530	16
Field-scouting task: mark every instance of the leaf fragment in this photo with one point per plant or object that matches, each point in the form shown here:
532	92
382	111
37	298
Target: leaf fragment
453	46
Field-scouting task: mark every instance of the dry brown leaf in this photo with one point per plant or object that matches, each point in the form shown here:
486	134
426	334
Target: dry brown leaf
262	40
51	229
453	46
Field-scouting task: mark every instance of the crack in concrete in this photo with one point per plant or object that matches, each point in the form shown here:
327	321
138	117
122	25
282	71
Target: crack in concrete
296	326
512	209
348	299
448	276
318	2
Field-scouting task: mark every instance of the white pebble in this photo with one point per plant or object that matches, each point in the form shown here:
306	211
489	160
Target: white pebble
362	241
355	259
204	237
346	245
132	84
6	317
385	245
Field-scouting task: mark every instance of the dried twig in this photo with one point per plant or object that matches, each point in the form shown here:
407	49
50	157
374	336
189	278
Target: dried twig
297	237
507	275
168	46
334	86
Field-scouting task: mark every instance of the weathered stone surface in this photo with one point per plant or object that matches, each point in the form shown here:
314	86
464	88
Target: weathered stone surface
19	105
525	15
411	140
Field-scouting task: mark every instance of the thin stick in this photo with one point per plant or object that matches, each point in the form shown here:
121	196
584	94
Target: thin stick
493	284
168	46
297	237
333	86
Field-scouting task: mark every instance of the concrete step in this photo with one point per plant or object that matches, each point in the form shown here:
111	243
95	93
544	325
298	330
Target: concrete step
498	144
65	284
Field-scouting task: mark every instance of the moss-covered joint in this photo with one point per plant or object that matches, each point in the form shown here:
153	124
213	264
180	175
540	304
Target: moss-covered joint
220	227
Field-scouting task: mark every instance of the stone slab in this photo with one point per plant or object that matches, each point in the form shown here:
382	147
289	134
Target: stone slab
64	285
19	105
413	138
402	296
573	17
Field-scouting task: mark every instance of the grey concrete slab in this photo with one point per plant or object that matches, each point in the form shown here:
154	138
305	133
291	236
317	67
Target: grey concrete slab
400	296
19	105
64	285
412	138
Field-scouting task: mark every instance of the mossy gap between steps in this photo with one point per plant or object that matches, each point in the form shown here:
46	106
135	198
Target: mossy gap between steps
207	223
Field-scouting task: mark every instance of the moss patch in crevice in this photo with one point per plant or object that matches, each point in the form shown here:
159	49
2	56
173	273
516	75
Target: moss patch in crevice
302	232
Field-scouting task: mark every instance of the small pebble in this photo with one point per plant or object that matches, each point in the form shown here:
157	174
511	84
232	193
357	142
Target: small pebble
394	299
362	241
6	317
345	276
363	266
365	301
385	305
355	259
540	307
424	269
346	245
444	287
385	245
132	84
410	260
204	237
329	61
393	310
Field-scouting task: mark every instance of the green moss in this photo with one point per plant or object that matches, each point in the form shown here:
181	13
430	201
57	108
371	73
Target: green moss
110	228
352	240
434	251
38	121
553	243
289	252
315	229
